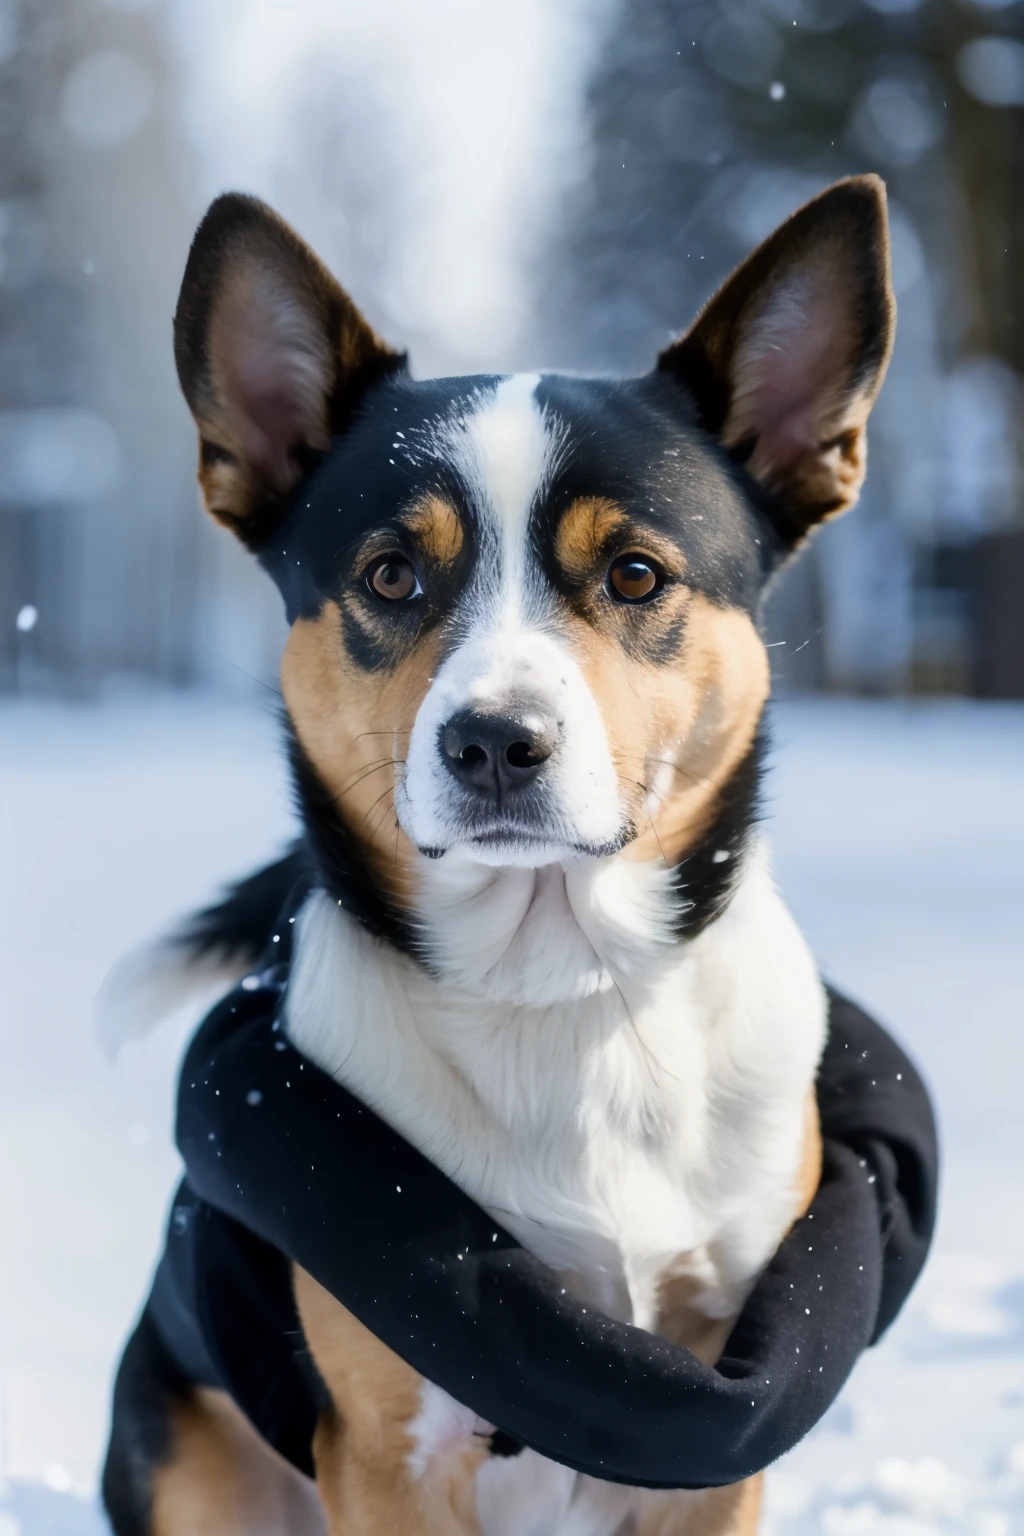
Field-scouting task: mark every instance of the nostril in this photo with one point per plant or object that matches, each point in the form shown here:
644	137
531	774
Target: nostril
495	753
523	754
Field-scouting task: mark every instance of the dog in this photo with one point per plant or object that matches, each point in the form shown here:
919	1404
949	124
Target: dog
525	687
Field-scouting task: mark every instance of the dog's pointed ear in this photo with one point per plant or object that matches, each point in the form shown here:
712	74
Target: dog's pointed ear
786	359
273	358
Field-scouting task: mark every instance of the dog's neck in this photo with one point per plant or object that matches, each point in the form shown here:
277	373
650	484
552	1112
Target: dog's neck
533	938
521	968
516	963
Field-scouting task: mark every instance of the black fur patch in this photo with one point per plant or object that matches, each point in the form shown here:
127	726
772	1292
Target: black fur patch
338	860
636	442
705	879
386	462
240	924
147	1386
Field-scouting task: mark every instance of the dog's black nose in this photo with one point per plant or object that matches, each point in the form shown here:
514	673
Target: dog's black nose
495	754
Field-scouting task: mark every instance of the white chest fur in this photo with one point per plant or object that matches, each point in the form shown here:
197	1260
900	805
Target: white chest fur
649	1115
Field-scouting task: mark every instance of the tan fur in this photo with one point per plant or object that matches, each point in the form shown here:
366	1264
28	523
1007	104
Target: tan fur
809	1176
354	726
221	1479
584	531
362	1446
677	729
226	484
731	1511
677	732
437	528
590	532
681	1322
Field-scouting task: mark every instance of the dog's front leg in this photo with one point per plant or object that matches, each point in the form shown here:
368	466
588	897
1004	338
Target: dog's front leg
369	1475
731	1511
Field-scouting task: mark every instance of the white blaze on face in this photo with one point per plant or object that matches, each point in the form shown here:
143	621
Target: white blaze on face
505	450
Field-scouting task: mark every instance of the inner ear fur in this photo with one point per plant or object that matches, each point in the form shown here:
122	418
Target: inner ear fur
273	358
786	359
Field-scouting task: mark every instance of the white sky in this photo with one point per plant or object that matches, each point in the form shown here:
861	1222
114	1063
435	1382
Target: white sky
423	147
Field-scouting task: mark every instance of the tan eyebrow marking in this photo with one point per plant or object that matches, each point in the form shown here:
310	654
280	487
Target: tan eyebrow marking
583	532
588	525
438	527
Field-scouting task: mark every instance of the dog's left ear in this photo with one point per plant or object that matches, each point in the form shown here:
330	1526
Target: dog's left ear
273	358
786	359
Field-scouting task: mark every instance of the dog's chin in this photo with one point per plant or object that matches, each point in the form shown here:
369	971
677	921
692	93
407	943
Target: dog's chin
526	841
518	848
508	851
515	850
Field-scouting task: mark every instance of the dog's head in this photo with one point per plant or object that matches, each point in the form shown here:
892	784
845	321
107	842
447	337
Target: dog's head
524	609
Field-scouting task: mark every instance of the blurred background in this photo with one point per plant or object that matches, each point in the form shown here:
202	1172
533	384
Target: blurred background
506	184
501	185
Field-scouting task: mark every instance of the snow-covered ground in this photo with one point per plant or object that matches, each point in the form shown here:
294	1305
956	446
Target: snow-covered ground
899	836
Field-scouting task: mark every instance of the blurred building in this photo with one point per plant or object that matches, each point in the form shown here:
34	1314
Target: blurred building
504	185
108	572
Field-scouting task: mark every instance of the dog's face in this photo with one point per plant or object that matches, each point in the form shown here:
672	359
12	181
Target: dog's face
534	594
524	608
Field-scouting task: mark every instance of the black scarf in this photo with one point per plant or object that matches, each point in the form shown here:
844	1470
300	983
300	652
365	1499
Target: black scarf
284	1164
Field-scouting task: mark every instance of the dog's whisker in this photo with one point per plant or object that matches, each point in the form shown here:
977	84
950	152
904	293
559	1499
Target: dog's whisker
398	730
662	762
358	778
250	675
650	818
374	768
370	810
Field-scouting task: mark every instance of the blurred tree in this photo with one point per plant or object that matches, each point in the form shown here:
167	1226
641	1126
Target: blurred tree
94	493
40	331
988	151
711	122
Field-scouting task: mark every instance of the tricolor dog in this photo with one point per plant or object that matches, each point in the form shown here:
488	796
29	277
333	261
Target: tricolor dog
524	683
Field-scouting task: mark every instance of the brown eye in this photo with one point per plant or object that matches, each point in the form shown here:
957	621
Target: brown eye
634	579
393	578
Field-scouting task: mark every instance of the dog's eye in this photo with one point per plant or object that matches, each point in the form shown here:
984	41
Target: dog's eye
634	579
393	577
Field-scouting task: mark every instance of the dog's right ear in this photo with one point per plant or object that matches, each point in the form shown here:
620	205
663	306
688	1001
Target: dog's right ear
786	359
273	359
